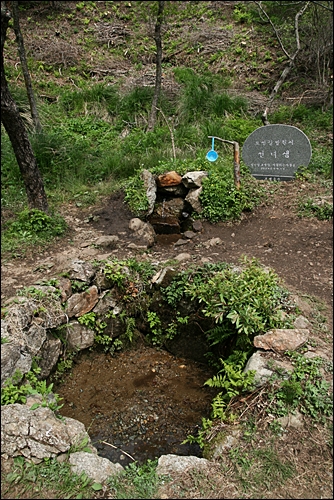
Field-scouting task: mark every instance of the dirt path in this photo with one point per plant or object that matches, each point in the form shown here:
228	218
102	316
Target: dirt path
299	250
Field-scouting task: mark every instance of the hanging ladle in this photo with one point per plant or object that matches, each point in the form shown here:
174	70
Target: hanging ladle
212	155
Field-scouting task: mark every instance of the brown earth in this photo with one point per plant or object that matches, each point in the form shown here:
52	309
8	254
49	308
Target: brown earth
299	250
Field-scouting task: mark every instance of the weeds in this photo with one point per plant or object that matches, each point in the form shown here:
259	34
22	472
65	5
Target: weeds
137	481
49	476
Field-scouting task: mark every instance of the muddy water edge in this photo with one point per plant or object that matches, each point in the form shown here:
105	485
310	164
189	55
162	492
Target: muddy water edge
141	402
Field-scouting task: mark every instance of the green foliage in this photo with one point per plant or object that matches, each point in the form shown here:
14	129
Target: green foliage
222	201
49	475
311	208
232	380
31	227
155	326
248	301
305	389
12	392
136	481
135	196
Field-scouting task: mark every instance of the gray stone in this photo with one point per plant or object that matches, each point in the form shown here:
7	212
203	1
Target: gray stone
106	302
38	433
10	354
292	420
97	468
181	257
197	226
301	323
193	199
35	338
275	152
49	354
180	242
109	242
81	270
143	231
213	242
194	179
151	189
169	464
189	234
224	442
79	336
259	364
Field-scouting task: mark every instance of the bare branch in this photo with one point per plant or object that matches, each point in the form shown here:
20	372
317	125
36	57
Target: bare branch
259	4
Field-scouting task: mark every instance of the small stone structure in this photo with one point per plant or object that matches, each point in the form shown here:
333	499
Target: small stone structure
172	198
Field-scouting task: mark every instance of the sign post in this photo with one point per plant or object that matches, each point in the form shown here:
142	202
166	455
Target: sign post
274	152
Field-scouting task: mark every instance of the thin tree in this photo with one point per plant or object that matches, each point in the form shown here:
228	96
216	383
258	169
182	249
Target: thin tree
24	64
291	57
157	89
15	128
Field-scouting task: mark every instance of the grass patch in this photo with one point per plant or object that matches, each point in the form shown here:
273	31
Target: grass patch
49	479
137	481
31	228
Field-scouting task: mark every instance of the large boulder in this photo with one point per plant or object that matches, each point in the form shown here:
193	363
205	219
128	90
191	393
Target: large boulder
38	433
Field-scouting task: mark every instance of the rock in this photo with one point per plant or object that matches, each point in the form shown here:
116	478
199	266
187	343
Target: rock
212	243
169	179
193	199
189	234
172	208
106	302
10	354
35	338
109	242
81	270
143	231
81	303
259	364
13	360
49	354
38	434
65	288
97	468
301	323
151	189
167	464
79	336
164	277
180	242
292	420
223	442
194	179
181	257
197	226
18	317
281	339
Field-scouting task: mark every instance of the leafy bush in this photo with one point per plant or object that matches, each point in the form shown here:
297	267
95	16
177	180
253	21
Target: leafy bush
222	201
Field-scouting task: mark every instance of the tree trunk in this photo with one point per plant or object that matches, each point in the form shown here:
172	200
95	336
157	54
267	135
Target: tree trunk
14	126
157	88
25	70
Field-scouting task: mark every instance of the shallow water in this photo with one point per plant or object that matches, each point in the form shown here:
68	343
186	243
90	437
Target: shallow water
143	402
